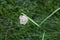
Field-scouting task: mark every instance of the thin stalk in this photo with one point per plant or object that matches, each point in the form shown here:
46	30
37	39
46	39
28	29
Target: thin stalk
31	20
43	36
44	19
49	16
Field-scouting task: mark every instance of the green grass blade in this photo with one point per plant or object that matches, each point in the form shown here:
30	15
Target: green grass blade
44	19
31	20
43	36
49	16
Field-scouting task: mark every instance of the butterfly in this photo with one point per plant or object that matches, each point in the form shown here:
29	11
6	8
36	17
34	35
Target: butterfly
23	19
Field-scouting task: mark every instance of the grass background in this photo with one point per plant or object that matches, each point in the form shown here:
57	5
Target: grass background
10	28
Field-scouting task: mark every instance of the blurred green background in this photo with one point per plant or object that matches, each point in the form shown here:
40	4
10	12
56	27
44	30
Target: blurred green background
11	29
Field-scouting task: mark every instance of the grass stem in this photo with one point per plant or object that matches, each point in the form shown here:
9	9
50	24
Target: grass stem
49	16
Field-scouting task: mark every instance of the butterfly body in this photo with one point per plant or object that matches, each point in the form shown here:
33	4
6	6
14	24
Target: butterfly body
23	19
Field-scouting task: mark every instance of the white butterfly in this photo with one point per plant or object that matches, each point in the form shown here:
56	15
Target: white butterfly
23	19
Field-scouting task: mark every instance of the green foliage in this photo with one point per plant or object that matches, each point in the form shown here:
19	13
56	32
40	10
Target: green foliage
38	10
